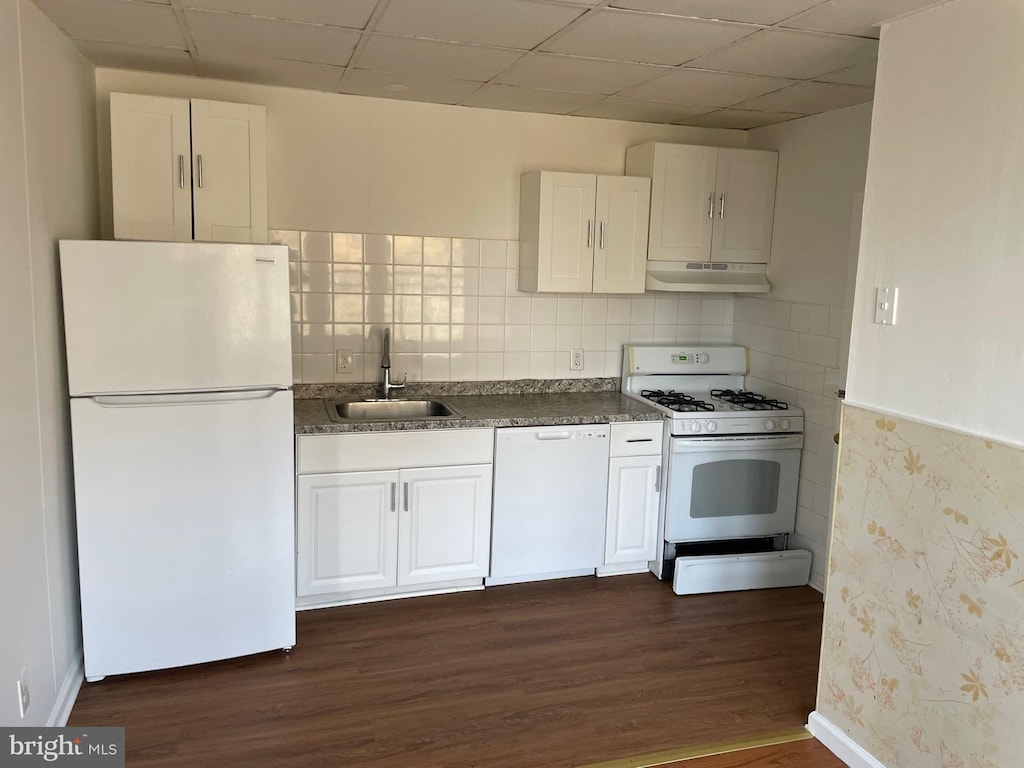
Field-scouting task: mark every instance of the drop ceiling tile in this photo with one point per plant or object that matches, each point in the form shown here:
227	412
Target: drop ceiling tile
810	98
759	12
861	74
430	58
145	58
115	21
572	73
619	108
644	37
363	82
232	33
350	13
256	69
856	17
528	99
508	23
698	86
797	55
741	119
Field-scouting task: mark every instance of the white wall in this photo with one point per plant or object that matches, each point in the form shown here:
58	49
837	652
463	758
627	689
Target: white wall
797	335
944	222
48	191
822	164
339	163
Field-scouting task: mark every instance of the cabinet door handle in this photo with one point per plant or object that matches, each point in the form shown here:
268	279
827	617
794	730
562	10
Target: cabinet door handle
590	233
601	237
394	492
181	171
405	496
657	480
711	206
199	165
721	211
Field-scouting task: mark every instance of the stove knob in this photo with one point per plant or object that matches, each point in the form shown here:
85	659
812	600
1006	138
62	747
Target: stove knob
784	425
703	357
695	426
769	425
712	426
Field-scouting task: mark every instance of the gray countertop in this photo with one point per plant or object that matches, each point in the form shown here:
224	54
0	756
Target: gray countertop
493	410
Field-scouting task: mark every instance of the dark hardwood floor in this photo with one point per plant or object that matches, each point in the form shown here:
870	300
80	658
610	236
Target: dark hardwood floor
551	674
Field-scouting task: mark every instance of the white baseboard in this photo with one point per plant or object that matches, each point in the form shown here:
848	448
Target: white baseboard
840	744
67	694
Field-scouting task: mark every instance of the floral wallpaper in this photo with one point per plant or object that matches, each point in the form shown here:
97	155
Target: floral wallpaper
923	647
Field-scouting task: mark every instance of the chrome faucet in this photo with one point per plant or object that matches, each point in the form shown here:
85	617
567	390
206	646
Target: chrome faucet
385	363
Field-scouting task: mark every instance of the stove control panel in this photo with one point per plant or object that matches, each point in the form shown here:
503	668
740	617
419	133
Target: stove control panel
690	358
735	426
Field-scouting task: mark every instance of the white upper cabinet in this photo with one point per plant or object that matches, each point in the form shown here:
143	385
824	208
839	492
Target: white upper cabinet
150	154
708	204
582	233
188	169
745	186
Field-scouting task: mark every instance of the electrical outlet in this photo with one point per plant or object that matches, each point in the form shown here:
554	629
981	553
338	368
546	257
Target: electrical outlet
576	359
343	360
23	694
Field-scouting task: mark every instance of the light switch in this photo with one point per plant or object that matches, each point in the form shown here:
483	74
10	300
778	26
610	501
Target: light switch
885	306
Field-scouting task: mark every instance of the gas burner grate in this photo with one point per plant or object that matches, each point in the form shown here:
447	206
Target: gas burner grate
750	401
676	401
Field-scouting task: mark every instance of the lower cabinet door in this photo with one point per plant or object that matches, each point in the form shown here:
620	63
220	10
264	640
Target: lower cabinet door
347	529
445	524
633	494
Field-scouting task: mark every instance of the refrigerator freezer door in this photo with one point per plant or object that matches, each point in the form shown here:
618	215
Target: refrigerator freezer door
175	317
185	528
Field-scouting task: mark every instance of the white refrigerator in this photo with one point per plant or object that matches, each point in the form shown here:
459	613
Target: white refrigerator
179	371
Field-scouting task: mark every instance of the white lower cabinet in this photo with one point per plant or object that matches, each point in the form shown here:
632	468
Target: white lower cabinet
364	533
444	528
634	494
347	532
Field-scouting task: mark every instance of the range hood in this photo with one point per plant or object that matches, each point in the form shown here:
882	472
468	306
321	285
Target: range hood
706	276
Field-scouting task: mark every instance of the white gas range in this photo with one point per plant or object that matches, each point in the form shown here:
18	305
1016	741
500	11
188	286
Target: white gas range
700	389
731	461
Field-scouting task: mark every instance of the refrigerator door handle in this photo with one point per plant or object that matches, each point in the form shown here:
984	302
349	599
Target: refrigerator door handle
183	398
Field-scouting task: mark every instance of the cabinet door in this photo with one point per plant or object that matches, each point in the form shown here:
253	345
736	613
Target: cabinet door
347	529
633	493
150	167
745	205
229	159
682	195
567	232
620	254
445	524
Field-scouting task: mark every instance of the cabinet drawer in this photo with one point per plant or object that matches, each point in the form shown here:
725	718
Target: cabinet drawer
359	451
637	438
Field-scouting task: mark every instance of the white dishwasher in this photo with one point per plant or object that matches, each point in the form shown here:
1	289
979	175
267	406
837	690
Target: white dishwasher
550	494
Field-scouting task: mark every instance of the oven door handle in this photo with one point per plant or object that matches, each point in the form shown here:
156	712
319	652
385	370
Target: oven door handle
736	443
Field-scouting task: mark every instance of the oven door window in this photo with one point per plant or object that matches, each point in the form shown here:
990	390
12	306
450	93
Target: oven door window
731	489
735	488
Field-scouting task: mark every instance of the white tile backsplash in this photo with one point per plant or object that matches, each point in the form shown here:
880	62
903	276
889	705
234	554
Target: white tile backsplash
456	312
793	353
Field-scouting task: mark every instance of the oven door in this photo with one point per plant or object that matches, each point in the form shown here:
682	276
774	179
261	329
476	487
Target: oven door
731	487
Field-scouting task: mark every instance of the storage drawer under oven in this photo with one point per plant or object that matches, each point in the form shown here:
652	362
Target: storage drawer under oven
731	487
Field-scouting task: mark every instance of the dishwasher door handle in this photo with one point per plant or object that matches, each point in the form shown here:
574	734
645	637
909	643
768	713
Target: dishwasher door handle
554	435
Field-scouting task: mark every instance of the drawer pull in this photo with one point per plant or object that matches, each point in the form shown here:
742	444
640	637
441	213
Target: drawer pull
639	439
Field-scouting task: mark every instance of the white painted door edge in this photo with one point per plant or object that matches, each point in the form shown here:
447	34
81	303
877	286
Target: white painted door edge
839	743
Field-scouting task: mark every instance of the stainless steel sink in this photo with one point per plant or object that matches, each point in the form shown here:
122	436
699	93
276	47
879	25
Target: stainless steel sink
389	410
